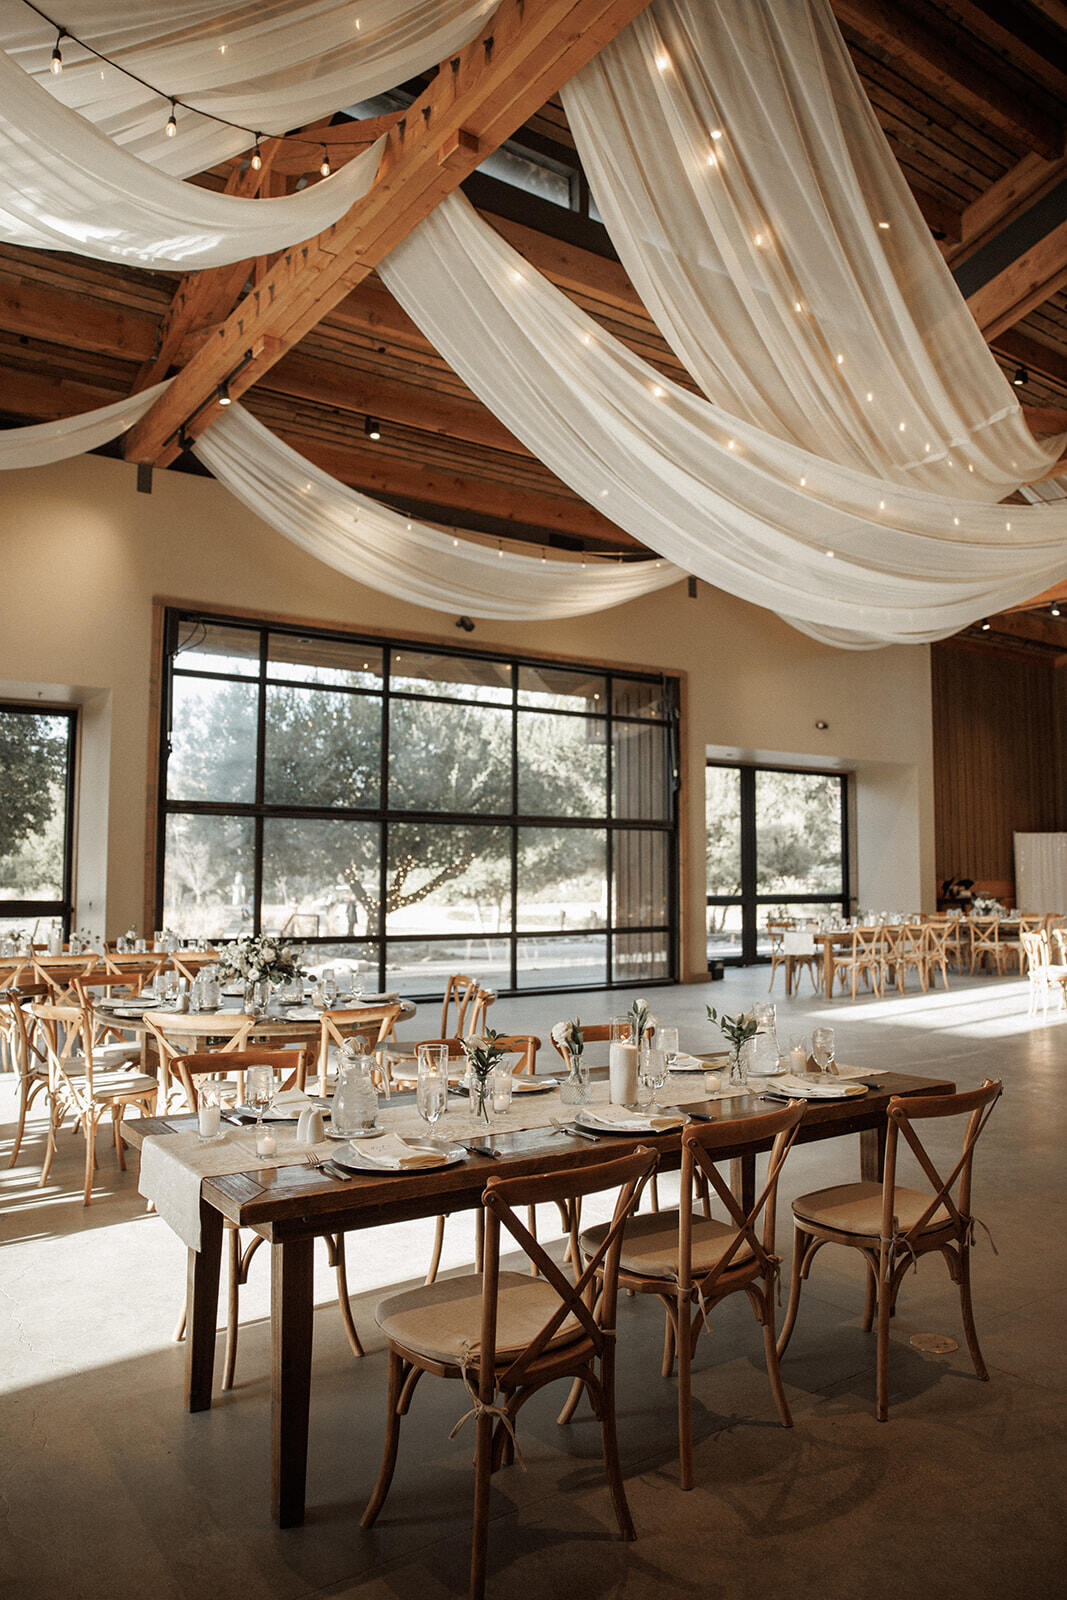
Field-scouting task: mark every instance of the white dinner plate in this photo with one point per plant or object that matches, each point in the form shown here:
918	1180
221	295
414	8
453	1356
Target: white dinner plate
688	1063
671	1120
450	1157
533	1085
837	1091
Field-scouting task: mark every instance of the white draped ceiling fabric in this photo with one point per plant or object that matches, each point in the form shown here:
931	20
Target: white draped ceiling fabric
66	186
846	556
267	66
45	442
764	220
411	560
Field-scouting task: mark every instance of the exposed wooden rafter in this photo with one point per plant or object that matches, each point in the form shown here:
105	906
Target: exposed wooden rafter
1023	284
528	50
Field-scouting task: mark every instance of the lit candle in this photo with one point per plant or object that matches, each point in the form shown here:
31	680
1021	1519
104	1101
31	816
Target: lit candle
266	1144
622	1074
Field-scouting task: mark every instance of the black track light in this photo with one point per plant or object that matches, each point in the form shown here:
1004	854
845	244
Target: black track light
224	396
372	429
1054	609
1021	377
986	624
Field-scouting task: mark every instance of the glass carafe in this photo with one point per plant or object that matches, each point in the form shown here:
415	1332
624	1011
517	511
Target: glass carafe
355	1101
764	1050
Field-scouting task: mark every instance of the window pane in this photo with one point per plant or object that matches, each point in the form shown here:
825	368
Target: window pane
798	833
320	877
631	698
560	689
446	879
216	647
312	660
322	749
213	740
39	928
639	957
724	930
424	966
639	772
207	888
722	806
33	805
449	758
563	766
562	878
559	963
792	911
642	879
454	677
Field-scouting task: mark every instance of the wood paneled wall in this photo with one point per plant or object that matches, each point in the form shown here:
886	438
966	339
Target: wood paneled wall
1000	758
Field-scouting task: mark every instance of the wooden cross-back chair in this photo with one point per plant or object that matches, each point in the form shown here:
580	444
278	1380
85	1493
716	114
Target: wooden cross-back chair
458	992
986	943
473	1019
187	963
892	1225
906	948
25	1053
86	1080
937	949
58	973
177	1033
504	1335
135	969
1043	973
372	1024
692	1262
864	958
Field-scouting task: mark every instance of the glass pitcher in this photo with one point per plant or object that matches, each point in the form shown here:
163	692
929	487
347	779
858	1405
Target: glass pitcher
764	1050
355	1101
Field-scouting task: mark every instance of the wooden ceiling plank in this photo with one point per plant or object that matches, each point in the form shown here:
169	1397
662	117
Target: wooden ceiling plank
48	399
488	90
1019	37
934	56
1034	355
1023	185
1027	281
38	313
1045	598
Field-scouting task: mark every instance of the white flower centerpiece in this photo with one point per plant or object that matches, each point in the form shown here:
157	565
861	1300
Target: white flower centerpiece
258	960
571	1040
483	1055
737	1031
984	905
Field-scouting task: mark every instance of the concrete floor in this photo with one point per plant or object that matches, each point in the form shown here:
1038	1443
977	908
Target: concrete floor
110	1490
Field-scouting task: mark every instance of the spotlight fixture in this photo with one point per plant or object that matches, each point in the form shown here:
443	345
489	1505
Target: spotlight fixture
57	54
1021	377
324	165
466	624
822	726
1054	609
172	122
224	396
372	429
257	156
986	624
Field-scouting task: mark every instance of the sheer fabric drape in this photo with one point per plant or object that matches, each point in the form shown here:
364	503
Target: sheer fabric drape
44	442
399	556
765	222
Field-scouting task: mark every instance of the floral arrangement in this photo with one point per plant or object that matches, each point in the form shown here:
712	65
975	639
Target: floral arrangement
483	1054
984	905
738	1030
640	1020
258	957
569	1037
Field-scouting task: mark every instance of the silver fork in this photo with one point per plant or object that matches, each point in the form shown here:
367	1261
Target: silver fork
326	1165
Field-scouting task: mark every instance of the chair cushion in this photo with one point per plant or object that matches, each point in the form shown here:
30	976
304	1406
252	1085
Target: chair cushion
650	1244
857	1208
442	1319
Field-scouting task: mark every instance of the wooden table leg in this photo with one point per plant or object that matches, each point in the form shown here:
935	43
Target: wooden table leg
291	1315
202	1301
743	1181
872	1154
828	968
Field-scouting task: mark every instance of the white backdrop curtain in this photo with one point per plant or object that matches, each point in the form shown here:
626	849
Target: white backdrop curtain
45	442
765	222
270	67
721	498
66	186
411	560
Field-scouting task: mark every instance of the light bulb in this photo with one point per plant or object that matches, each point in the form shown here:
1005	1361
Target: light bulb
172	122
57	55
324	166
257	159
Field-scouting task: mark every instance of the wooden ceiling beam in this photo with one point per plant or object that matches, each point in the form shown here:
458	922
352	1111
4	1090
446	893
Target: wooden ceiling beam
1046	630
36	313
1021	186
1018	37
1037	357
48	399
933	53
1026	282
477	99
1045	598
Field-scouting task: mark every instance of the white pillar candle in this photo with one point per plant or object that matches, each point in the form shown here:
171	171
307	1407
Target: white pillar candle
622	1074
266	1144
798	1059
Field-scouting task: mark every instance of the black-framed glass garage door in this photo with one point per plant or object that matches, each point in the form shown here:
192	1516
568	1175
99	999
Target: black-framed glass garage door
777	845
37	751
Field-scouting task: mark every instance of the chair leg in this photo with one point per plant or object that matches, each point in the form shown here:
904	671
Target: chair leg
232	1320
968	1314
885	1311
800	1244
116	1133
24	1102
50	1148
870	1300
611	1443
684	1345
483	1467
89	1129
179	1327
668	1341
438	1241
343	1301
774	1371
397	1375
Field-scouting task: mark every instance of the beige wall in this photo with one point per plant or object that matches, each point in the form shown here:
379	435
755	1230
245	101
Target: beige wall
83	556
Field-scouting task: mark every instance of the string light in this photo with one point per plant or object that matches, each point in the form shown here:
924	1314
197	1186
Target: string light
731	444
716	133
803	483
841	362
884	226
324	164
829	555
663	62
57	54
257	158
172	121
658	391
713	160
870	396
956	521
881	505
903	427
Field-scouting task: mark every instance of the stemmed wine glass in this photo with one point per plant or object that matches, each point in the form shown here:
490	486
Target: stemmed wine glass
652	1071
822	1049
260	1084
431	1093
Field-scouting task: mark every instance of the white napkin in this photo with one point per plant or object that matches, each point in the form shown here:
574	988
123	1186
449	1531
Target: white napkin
623	1119
394	1155
687	1063
533	1085
289	1103
377	999
793	1084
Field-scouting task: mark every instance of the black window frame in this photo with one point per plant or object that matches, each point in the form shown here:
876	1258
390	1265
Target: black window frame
64	906
747	897
259	810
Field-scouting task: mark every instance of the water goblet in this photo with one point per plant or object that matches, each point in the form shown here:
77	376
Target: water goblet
822	1049
667	1040
652	1071
260	1085
431	1092
329	992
